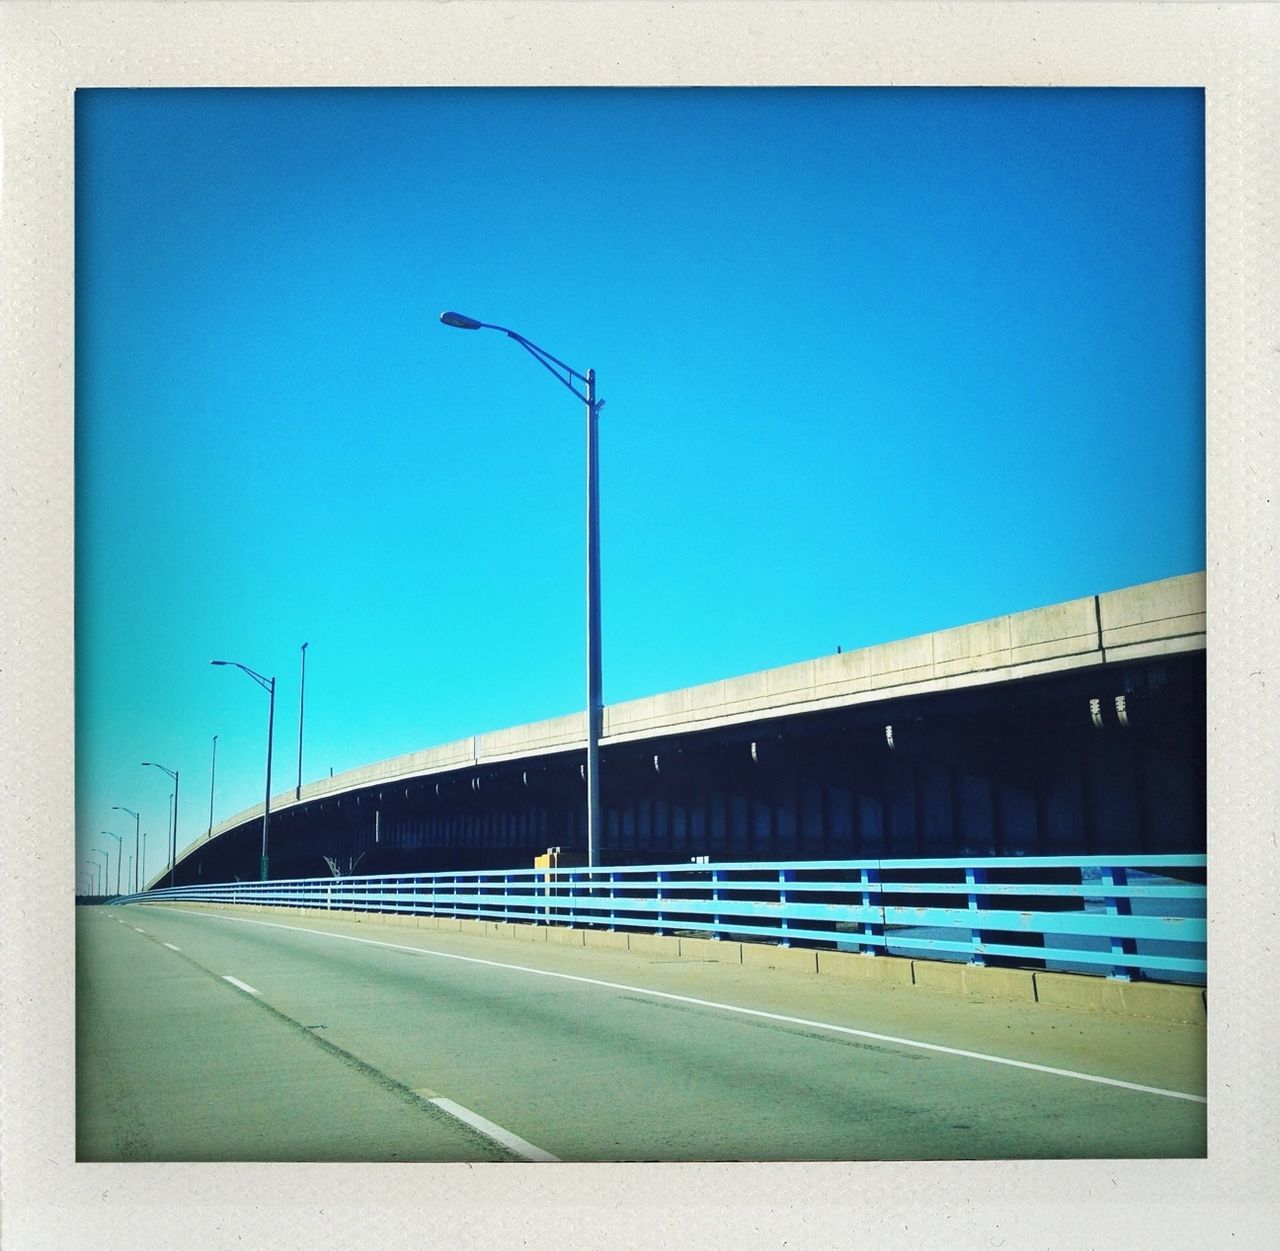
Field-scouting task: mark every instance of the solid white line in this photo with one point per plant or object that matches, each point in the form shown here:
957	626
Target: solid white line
235	981
729	1007
172	947
504	1137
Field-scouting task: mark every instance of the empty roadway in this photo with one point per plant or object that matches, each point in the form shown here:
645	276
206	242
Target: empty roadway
216	1035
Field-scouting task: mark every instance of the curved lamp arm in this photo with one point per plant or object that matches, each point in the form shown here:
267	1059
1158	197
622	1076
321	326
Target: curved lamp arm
265	683
551	364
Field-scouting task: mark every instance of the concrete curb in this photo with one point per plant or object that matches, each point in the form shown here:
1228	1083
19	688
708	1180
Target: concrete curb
1150	1000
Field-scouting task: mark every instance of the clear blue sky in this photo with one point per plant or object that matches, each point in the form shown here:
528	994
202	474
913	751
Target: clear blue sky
876	362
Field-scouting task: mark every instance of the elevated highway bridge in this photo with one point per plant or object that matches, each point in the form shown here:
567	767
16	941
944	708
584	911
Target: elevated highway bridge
1075	729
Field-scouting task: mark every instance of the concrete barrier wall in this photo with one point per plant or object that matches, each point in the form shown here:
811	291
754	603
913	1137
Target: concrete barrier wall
1080	992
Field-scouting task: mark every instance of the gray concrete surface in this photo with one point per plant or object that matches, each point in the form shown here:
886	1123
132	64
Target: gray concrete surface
585	1053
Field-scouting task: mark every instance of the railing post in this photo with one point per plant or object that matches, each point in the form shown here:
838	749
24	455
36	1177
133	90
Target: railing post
1119	906
870	930
715	898
613	882
975	877
575	880
784	876
659	877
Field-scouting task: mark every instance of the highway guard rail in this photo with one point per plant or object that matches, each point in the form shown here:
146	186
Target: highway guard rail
1130	916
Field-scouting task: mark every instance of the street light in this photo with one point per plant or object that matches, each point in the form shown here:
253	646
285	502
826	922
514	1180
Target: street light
103	868
143	871
136	823
302	695
213	768
119	855
173	837
268	685
595	713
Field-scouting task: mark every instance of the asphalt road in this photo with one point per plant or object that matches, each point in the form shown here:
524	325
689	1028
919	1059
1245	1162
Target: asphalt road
208	1035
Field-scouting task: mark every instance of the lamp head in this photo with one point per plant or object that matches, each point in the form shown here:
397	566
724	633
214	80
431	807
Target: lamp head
219	662
460	321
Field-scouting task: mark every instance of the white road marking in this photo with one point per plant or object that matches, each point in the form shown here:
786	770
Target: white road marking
136	930
503	1137
172	947
235	981
727	1007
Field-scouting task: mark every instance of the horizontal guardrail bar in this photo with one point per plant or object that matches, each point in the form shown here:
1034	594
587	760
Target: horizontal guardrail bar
1123	915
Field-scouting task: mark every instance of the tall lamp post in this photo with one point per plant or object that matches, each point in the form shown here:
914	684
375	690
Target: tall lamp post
302	696
136	822
268	685
143	871
213	768
119	855
595	713
173	836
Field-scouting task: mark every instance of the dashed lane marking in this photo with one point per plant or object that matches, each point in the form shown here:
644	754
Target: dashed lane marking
503	1137
244	986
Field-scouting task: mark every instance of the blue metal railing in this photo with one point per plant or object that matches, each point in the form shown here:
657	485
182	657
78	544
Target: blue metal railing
1122	916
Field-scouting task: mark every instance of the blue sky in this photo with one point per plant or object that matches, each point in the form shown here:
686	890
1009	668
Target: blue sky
876	362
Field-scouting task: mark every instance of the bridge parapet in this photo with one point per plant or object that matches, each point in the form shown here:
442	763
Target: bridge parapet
1122	916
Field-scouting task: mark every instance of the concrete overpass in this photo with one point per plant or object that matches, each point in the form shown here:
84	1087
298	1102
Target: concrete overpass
1072	729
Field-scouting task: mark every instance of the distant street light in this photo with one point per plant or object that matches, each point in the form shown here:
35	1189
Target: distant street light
136	822
302	695
595	713
119	855
173	837
213	767
268	685
143	871
104	869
